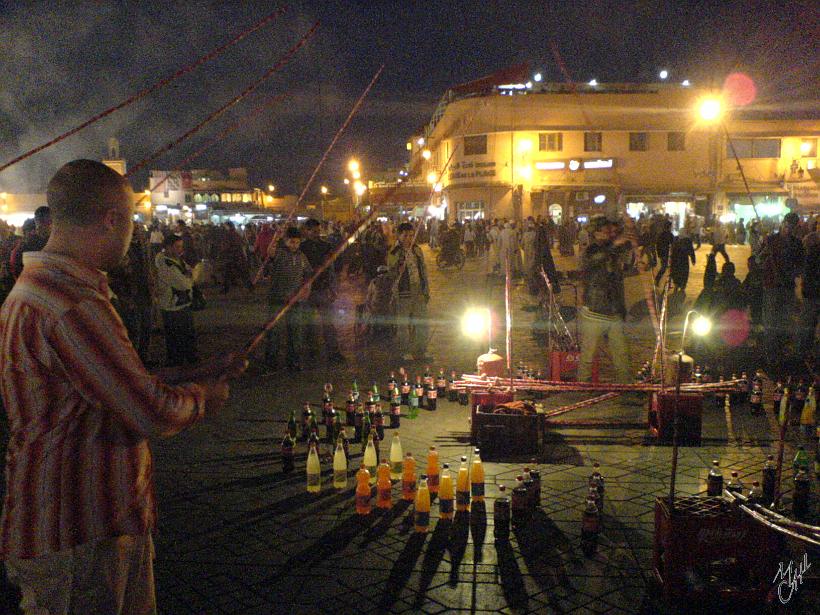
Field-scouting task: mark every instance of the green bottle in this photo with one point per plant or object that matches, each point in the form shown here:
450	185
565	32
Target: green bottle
414	404
801	460
355	389
375	389
366	424
292	424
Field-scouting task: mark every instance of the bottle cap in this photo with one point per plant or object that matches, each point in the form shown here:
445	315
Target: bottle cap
445	466
463	458
519	477
423	477
502	488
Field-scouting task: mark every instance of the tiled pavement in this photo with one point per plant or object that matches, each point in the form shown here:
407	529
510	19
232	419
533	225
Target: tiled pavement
237	536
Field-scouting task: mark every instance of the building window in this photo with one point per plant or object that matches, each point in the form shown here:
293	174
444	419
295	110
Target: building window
675	141
550	141
638	141
754	148
475	145
808	148
470	210
592	141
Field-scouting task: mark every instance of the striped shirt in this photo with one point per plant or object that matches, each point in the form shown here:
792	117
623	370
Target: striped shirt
80	407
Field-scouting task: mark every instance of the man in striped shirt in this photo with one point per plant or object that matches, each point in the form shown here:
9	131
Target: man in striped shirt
79	505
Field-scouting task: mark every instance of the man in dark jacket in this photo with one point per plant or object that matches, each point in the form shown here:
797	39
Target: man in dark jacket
782	259
604	307
811	296
34	242
663	243
406	264
288	269
323	291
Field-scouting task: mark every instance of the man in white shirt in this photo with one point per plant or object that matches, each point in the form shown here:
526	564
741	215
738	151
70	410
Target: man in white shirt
175	296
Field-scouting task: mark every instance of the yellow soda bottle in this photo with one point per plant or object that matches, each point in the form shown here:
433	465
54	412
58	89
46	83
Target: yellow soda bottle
363	491
422	512
371	459
384	496
432	470
477	478
408	478
463	487
314	471
445	493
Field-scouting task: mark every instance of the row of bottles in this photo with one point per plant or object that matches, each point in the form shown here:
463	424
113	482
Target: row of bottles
593	510
766	492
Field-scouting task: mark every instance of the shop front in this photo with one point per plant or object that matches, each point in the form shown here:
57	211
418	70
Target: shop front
769	205
677	205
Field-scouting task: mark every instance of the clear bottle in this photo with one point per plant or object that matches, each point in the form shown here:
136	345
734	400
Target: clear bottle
477	478
445	493
714	482
314	471
396	457
371	460
408	478
339	467
422	509
501	515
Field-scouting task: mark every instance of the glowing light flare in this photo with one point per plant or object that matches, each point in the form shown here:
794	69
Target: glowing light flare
353	166
525	172
347	181
420	141
323	189
805	147
524	145
739	89
426	154
664	74
432	177
476	323
710	109
600	198
550	165
701	326
593	82
734	327
271	188
574	165
356	175
359	188
537	77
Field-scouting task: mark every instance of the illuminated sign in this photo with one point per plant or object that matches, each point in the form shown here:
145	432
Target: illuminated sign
552	165
601	163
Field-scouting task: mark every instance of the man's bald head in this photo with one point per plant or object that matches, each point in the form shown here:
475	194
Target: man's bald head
82	191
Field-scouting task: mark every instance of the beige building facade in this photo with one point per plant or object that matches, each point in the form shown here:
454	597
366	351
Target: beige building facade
554	151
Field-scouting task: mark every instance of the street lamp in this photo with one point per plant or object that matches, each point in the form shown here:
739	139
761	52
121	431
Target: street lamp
700	327
426	154
271	188
323	190
476	323
353	165
710	109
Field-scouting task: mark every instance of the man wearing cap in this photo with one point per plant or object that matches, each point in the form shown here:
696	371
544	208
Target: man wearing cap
604	309
322	292
782	257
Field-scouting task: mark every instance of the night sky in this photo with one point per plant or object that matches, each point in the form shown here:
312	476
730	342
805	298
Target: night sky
62	62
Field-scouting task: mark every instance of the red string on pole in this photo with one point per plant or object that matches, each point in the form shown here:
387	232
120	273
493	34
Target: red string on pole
150	89
266	75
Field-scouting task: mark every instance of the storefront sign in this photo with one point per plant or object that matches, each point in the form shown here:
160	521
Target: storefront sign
601	163
471	170
550	165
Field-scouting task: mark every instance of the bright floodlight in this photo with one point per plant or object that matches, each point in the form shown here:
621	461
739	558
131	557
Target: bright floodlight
324	189
593	82
664	74
701	326
475	323
271	187
425	153
537	77
710	109
353	166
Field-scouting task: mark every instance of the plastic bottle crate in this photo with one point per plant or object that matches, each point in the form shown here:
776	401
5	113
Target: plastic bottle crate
707	550
690	417
500	434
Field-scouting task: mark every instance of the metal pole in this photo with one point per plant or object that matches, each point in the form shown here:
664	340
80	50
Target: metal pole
740	168
675	434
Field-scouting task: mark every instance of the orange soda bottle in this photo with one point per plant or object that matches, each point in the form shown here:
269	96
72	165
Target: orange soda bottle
408	478
463	487
445	493
432	470
384	496
477	478
363	491
422	512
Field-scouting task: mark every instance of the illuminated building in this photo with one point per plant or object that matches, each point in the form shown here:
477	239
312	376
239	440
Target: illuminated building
546	149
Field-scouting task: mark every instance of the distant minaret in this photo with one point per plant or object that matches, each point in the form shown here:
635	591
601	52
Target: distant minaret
114	161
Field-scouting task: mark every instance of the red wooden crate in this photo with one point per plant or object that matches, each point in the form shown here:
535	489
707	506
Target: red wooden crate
709	551
564	365
690	413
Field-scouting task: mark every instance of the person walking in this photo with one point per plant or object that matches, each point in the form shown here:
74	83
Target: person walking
175	297
663	243
232	259
412	290
322	293
719	240
604	304
810	309
79	505
288	268
682	252
782	259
